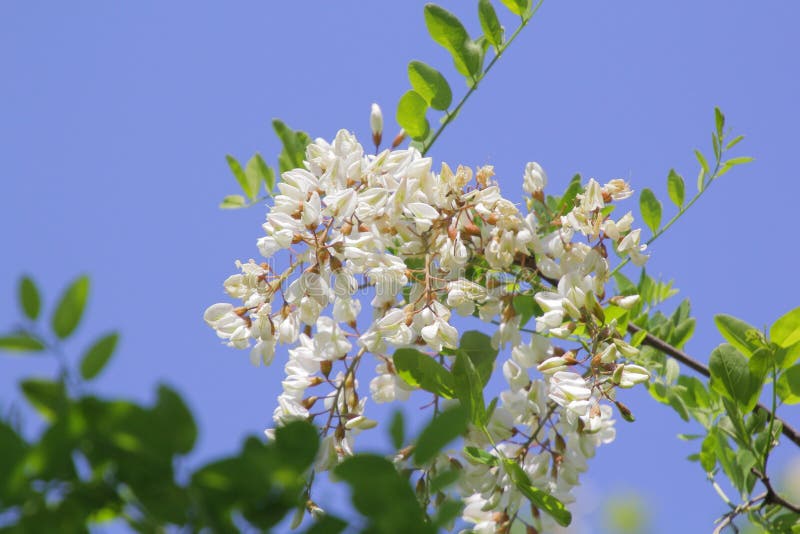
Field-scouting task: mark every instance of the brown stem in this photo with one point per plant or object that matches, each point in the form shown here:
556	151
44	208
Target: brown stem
772	496
792	434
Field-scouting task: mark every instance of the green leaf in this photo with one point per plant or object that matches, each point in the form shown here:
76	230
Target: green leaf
786	330
730	376
297	443
423	371
46	396
410	115
249	184
447	30
175	421
738	333
651	209
480	456
517	7
733	142
70	307
788	385
98	355
232	202
14	449
294	146
21	343
327	524
397	429
539	498
702	160
682	333
738	161
29	298
443	429
430	84
676	188
719	120
257	171
478	347
490	24
382	495
526	307
469	388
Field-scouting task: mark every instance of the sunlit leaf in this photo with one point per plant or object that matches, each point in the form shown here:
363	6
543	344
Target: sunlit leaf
489	23
410	115
788	385
738	333
421	370
430	85
517	7
676	188
651	209
232	202
786	330
447	30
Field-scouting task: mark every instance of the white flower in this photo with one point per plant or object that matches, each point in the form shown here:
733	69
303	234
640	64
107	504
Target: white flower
535	179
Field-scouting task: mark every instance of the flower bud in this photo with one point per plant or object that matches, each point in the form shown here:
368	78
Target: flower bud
552	365
360	422
632	375
627	302
399	138
376	124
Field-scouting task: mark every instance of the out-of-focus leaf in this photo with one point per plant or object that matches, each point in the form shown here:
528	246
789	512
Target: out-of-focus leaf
98	355
443	429
29	298
21	343
480	456
70	307
46	396
478	347
397	429
469	388
176	420
382	495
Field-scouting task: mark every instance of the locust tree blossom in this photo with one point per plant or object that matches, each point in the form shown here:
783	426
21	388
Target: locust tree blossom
422	246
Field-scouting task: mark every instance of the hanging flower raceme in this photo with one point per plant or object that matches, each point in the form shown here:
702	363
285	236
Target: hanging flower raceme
424	247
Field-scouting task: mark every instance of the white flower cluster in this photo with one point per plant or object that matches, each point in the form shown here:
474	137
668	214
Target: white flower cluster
426	245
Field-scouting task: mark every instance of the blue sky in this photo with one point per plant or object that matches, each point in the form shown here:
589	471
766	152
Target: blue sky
115	120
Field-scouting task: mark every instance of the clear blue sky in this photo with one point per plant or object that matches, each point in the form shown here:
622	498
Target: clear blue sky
115	119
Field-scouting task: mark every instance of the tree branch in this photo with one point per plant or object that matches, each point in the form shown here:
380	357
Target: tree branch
650	340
